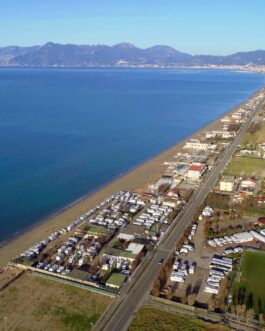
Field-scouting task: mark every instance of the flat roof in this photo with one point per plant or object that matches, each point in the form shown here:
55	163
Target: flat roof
135	248
116	279
120	253
198	167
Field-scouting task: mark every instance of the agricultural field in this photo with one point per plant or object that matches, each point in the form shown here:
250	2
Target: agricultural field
157	320
248	288
32	303
246	166
256	135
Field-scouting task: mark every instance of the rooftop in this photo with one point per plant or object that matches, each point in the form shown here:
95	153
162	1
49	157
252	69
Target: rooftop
116	280
199	167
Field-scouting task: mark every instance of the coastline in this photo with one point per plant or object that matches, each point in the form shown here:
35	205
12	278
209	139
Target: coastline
136	178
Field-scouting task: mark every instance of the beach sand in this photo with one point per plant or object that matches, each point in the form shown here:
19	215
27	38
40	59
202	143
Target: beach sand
138	178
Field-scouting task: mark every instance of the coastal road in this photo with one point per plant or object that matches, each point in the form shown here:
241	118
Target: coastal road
120	314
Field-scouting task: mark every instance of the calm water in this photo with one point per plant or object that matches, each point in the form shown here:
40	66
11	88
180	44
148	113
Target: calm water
66	132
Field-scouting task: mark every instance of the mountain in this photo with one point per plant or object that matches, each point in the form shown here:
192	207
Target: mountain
123	54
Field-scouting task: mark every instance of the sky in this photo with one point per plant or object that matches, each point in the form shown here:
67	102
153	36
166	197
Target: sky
192	26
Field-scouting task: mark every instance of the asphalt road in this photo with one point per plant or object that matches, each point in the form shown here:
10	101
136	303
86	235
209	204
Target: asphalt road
132	296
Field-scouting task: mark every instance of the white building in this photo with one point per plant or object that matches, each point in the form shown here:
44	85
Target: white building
248	183
196	144
227	184
243	237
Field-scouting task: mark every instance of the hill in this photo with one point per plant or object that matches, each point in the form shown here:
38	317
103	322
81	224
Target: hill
123	54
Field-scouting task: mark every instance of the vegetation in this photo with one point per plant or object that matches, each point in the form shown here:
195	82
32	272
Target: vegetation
116	279
75	321
255	135
34	303
248	289
157	320
220	201
101	230
162	278
246	166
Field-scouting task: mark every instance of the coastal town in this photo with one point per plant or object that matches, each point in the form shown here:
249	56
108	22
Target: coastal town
106	249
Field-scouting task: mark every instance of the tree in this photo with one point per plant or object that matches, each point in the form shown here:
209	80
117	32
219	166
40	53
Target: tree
261	318
211	304
250	314
191	299
233	310
240	310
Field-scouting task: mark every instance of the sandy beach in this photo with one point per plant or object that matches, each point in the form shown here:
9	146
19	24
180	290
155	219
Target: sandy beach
136	179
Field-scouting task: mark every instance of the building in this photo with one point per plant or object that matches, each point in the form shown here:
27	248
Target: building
243	237
170	203
258	236
225	120
116	280
248	183
197	145
196	171
126	236
124	255
227	184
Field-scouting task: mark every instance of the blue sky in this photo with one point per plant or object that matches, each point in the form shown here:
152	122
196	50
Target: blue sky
192	26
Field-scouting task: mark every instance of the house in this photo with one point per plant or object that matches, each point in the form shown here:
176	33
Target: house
227	135
116	280
248	183
210	135
126	236
225	119
196	144
227	184
129	254
243	237
196	170
170	203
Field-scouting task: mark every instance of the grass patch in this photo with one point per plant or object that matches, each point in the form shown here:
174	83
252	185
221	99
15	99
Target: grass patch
95	229
40	304
248	288
116	280
256	135
157	320
246	166
75	321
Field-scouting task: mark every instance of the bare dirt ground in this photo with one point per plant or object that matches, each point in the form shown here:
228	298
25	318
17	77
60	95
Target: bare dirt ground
32	303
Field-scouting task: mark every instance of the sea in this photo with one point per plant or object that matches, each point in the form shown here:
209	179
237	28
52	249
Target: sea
65	132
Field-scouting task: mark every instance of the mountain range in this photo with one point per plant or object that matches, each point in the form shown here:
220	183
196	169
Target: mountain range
123	54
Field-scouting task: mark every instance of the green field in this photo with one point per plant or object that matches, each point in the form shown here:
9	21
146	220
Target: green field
249	288
246	166
151	319
96	229
256	135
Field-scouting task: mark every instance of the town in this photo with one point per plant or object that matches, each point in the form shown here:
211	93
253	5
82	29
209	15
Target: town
105	248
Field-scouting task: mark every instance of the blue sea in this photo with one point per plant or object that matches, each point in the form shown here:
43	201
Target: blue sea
66	132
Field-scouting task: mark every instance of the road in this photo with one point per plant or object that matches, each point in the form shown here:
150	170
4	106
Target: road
123	309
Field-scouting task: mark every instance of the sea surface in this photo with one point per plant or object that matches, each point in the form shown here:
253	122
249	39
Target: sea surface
66	132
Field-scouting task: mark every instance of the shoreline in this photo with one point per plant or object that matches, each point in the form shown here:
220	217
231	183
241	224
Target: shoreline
136	178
